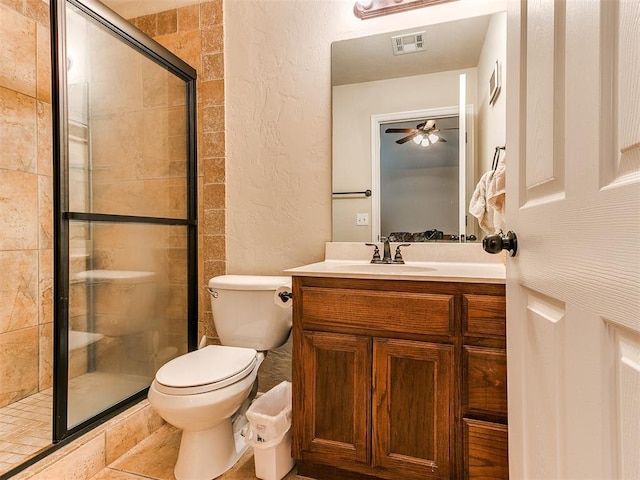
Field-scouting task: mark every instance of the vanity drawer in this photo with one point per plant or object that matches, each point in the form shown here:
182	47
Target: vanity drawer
486	450
387	311
485	315
484	383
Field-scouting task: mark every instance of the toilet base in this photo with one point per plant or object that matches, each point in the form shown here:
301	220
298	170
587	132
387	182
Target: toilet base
207	454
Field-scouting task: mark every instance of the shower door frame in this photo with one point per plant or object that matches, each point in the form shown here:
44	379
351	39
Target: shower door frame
148	47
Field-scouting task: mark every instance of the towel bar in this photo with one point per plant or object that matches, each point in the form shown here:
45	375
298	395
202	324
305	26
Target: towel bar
366	193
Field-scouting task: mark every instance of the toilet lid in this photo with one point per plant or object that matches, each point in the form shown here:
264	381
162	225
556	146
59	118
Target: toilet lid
209	368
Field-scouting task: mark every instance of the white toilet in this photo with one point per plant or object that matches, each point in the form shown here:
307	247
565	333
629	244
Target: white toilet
206	392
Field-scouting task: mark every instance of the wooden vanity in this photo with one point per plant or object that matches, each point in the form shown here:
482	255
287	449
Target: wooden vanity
399	379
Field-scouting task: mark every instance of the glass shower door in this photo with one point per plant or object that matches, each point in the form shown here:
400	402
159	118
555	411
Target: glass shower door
126	256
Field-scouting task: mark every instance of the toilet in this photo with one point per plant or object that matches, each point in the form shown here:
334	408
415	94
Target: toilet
206	392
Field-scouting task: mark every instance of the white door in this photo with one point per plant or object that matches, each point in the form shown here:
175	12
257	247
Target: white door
573	289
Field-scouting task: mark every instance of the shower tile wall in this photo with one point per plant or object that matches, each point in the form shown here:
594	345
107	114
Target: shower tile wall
26	195
195	34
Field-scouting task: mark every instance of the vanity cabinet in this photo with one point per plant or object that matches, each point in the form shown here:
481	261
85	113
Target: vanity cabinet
398	379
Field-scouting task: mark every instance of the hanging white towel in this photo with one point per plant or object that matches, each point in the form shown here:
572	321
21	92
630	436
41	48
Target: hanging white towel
496	194
478	205
496	188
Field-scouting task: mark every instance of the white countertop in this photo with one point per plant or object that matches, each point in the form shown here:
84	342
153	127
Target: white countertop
422	271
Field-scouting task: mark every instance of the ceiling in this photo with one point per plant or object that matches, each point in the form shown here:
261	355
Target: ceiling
449	46
137	8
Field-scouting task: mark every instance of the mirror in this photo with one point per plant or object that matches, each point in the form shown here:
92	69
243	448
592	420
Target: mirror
382	187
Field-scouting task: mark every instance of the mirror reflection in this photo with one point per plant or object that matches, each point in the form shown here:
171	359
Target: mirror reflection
390	93
419	174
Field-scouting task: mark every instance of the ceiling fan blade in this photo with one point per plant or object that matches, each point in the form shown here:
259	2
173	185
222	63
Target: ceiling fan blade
400	130
406	139
440	139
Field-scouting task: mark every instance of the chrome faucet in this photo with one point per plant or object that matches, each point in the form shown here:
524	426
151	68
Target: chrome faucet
386	258
387	250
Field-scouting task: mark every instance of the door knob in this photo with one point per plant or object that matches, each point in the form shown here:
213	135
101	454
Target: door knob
498	241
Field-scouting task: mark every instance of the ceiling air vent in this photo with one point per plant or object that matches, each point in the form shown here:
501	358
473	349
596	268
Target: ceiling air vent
410	43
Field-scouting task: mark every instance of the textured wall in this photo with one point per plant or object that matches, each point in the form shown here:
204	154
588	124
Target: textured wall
494	49
26	196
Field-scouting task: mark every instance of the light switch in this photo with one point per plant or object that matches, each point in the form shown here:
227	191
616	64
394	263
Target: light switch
362	219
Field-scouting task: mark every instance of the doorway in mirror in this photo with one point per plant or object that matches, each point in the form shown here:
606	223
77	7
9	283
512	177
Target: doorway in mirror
418	171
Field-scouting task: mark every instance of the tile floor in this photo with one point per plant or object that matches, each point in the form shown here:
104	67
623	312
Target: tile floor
155	457
25	429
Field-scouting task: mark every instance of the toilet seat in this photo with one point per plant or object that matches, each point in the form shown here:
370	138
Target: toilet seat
205	370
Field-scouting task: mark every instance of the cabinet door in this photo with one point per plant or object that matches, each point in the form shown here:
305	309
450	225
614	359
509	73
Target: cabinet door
335	375
413	408
484	381
486	454
484	316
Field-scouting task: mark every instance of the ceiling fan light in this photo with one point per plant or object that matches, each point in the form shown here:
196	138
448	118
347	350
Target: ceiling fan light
417	139
425	142
434	138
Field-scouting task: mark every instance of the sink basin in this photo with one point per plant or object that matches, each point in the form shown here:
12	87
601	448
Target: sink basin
382	268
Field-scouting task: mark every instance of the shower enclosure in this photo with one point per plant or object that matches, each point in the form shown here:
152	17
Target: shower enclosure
125	209
124	234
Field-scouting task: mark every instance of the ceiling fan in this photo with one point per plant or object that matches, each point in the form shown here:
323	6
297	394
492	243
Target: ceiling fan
424	134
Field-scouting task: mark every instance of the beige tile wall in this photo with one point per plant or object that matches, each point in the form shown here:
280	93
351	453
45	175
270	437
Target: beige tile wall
26	188
195	34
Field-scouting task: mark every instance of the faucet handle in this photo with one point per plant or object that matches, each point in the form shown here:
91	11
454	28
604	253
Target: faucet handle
376	252
398	256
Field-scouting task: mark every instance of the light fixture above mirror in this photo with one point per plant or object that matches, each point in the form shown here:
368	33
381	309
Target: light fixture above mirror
364	9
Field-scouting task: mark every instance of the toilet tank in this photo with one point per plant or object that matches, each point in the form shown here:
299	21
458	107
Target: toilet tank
246	313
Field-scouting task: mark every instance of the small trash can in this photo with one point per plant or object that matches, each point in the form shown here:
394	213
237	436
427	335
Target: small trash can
270	432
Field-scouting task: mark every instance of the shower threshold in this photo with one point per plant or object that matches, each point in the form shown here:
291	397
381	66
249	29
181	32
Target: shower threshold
26	425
